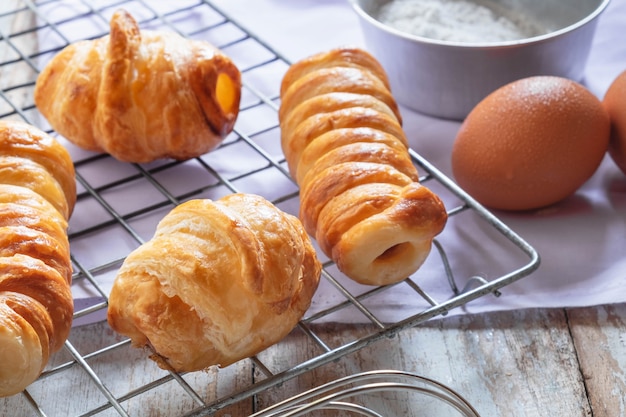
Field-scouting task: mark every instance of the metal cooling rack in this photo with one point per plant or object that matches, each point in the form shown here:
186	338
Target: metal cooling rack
111	207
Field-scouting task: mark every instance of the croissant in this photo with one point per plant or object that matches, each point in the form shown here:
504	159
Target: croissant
219	282
342	136
37	196
140	95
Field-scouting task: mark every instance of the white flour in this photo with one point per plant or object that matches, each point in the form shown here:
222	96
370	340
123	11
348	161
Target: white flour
457	20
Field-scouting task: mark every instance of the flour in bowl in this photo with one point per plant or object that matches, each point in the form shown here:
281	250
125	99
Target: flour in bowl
457	21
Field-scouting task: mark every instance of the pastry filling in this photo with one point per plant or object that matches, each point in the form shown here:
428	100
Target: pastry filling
226	93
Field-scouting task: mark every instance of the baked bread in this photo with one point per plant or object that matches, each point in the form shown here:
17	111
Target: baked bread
219	281
37	196
342	136
140	95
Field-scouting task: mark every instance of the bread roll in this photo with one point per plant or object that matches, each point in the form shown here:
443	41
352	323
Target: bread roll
361	199
219	282
37	196
140	95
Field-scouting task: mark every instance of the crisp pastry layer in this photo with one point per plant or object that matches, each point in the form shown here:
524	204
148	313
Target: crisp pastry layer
342	136
37	196
140	95
219	282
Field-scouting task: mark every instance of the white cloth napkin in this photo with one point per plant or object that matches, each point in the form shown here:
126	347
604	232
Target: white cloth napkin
581	241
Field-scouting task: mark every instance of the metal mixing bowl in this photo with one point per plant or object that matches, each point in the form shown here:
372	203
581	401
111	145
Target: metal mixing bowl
447	79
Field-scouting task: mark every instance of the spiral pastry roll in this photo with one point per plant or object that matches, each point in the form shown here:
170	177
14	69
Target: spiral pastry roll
342	136
37	196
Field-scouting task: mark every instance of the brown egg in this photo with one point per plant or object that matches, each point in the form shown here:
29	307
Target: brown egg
530	143
615	103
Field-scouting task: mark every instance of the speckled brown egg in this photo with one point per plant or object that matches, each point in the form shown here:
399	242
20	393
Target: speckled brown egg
615	103
531	143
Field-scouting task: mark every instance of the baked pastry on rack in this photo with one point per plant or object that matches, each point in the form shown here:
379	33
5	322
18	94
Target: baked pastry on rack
342	136
37	196
140	95
219	281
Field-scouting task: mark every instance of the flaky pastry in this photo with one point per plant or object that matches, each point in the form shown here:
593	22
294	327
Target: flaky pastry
140	95
37	196
219	282
342	136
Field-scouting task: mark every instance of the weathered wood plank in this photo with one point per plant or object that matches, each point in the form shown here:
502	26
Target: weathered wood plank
599	334
516	363
506	364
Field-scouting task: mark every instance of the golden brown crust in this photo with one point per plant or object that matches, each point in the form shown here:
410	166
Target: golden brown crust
140	95
350	57
336	79
394	242
326	185
33	146
315	126
30	277
330	102
219	281
345	136
360	196
26	240
37	195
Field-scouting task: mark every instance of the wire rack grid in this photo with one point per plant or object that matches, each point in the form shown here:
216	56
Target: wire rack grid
119	204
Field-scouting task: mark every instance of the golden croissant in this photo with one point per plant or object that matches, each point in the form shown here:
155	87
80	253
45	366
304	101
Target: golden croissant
37	196
219	281
140	95
342	136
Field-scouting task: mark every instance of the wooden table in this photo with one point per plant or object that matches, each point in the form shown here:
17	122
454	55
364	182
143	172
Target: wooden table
561	362
557	362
